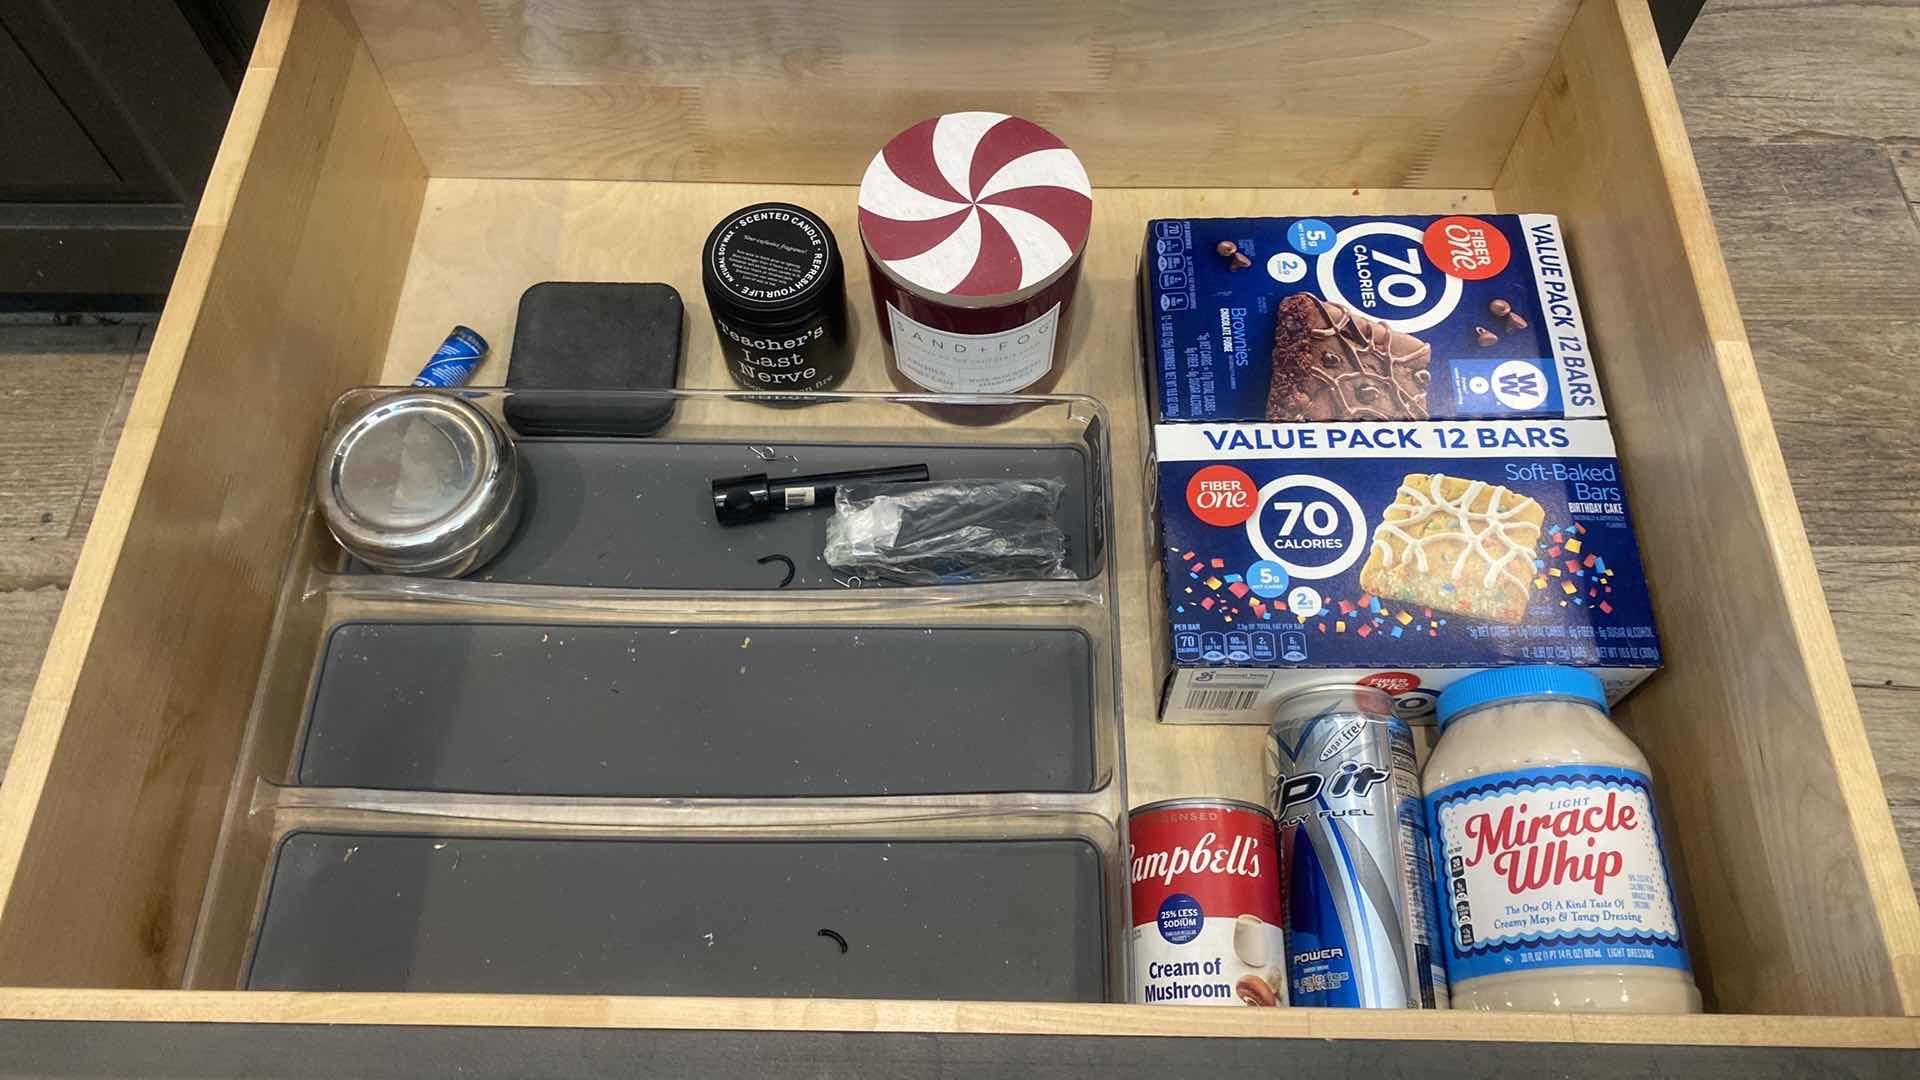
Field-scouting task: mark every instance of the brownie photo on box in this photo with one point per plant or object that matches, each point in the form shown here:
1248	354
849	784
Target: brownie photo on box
1331	364
1363	319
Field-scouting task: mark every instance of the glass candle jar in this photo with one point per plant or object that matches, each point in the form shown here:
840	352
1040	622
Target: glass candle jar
776	286
973	225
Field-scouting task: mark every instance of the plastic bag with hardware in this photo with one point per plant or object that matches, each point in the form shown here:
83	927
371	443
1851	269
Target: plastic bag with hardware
949	531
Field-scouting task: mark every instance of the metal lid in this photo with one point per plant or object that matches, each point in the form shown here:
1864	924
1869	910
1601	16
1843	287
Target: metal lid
1532	682
1200	802
975	204
421	482
1307	698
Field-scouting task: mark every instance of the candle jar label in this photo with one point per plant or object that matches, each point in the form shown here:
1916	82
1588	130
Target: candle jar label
945	362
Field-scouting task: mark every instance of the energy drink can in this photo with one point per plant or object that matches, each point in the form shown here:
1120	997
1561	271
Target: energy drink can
1356	883
453	363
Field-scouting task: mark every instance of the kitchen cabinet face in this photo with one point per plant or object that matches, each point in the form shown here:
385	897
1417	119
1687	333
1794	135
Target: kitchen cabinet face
114	109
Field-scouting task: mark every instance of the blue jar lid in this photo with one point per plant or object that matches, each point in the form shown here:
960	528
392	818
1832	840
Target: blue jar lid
1506	684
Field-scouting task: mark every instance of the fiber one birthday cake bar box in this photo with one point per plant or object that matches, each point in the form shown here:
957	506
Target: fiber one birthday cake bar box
1304	319
1404	555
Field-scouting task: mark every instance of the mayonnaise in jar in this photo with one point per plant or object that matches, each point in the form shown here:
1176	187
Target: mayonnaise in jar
1553	884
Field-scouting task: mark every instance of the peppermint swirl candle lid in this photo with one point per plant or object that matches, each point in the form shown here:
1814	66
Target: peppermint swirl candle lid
977	206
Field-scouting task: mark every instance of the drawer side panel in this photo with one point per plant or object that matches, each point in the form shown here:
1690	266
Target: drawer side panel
1800	897
284	297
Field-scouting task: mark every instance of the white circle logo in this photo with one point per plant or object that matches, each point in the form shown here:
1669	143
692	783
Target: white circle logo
1305	602
1399	276
1315	519
1519	386
1287	267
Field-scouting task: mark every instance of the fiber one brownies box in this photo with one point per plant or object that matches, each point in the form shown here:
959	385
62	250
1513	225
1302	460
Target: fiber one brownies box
1305	319
1404	555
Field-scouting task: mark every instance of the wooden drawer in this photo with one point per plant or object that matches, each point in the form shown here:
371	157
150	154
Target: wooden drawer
392	168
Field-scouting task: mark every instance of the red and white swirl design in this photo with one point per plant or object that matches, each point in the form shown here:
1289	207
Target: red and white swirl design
975	204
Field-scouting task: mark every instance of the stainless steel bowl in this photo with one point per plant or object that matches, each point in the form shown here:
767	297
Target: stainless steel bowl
420	482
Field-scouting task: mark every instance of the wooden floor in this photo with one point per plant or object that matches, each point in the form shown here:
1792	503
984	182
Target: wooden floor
64	393
1806	123
1805	120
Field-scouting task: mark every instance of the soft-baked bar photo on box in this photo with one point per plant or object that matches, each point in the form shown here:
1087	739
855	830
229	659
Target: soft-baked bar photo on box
1456	545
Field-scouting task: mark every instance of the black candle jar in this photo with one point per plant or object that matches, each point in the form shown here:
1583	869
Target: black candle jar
777	289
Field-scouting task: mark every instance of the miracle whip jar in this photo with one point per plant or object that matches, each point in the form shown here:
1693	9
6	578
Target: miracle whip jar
973	224
1206	904
1553	877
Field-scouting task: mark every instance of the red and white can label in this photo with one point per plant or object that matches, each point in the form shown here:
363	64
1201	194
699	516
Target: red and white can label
1206	906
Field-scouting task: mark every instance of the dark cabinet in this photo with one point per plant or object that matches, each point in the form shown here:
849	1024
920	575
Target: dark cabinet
111	112
47	149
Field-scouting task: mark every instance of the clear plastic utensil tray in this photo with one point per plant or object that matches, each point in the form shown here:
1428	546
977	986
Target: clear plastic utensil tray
626	670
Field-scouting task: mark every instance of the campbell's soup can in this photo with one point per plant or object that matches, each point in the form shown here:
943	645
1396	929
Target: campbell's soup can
1206	904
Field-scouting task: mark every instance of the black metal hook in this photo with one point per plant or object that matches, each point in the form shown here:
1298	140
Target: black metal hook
791	569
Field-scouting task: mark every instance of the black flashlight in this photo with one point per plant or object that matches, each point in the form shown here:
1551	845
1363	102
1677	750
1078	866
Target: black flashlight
742	500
